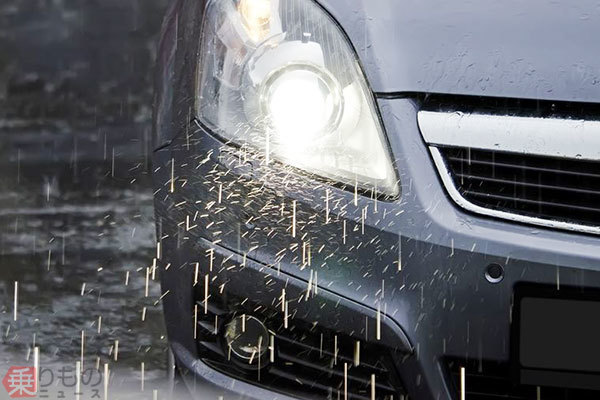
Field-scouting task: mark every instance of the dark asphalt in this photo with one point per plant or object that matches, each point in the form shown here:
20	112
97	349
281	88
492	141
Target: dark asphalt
76	213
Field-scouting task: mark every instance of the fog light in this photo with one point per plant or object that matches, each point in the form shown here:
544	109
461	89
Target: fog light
247	338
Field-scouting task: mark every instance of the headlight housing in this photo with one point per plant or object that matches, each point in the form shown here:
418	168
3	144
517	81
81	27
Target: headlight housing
279	76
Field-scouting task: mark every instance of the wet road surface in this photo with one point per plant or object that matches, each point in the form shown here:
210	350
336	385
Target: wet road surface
76	214
77	238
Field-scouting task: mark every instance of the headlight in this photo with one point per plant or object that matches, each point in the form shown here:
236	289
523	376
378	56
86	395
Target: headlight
280	76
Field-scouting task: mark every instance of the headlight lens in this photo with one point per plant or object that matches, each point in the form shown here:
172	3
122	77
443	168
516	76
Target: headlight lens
280	76
301	102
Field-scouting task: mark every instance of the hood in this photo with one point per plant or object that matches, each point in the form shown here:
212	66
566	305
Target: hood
534	49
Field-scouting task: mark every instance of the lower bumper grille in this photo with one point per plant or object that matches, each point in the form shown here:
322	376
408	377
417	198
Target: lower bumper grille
486	380
546	188
309	361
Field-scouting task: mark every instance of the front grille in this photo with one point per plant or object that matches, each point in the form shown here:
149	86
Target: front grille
306	364
487	380
554	189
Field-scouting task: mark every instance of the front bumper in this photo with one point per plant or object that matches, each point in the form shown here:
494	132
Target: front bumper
417	265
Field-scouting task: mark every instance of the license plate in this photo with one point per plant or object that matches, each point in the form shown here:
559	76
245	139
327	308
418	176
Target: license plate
558	341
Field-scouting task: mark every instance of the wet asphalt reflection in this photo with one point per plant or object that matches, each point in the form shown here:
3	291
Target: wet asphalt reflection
77	238
76	213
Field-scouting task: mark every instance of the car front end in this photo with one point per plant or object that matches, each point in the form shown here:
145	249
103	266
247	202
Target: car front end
373	200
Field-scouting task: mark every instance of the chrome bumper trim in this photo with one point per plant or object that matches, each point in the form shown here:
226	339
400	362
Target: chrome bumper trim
552	137
467	205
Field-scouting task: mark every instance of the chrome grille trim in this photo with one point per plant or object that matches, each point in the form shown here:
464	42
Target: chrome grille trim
467	205
552	137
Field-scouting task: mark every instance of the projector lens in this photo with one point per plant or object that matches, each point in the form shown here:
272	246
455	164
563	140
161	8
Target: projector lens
301	102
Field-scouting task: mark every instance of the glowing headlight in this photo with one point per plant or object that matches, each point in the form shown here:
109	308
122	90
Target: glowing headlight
301	102
280	76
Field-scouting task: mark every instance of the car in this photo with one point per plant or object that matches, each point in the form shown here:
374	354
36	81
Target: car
380	199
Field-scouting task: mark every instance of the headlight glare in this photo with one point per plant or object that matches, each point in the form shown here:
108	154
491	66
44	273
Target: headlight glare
301	102
279	76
